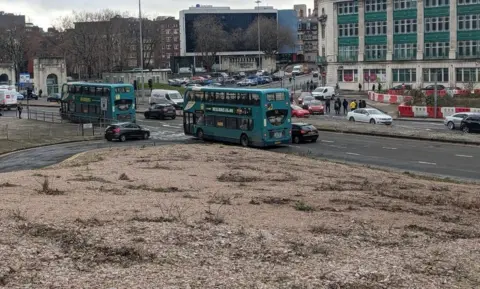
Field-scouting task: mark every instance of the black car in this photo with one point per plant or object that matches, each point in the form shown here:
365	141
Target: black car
276	77
161	111
126	130
302	132
471	123
402	87
32	96
432	87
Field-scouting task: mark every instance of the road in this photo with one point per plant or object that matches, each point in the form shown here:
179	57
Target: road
458	161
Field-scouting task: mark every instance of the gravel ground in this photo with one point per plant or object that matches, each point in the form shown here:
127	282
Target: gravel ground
393	130
215	216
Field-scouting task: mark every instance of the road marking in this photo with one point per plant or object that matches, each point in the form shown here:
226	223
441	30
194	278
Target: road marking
464	156
353	154
387	148
174	126
328	141
427	163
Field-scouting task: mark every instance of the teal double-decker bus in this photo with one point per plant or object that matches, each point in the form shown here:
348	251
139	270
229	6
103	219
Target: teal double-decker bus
251	117
97	102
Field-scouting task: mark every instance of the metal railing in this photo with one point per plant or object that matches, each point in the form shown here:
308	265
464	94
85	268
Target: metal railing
405	55
347	58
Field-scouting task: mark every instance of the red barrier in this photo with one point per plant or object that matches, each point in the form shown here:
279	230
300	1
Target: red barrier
431	112
463	92
395	92
440	93
405	111
380	98
393	99
462	109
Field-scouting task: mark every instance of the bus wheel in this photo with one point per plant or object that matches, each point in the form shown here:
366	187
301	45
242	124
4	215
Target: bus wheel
145	135
244	140
123	138
200	134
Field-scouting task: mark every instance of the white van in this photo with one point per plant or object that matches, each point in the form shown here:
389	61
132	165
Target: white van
161	96
297	70
8	97
322	93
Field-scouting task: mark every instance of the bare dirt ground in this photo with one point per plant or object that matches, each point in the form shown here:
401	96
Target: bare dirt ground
214	216
23	133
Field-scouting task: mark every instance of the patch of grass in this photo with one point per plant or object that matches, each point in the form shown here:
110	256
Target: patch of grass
220	199
237	178
90	222
124	177
159	166
435	188
90	178
431	178
276	200
301	206
46	189
157	190
17	215
8	185
334	187
153	219
189	196
215	217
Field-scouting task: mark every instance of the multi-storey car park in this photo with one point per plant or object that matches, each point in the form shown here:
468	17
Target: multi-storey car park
394	42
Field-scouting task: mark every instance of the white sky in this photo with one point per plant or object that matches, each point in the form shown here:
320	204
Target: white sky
45	13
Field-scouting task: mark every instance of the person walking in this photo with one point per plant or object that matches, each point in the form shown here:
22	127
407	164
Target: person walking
359	87
379	87
345	106
327	105
373	87
364	104
20	108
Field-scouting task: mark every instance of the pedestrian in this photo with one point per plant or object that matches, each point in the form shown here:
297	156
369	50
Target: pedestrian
345	106
337	87
379	87
40	92
364	104
20	108
327	105
373	87
359	87
353	105
338	104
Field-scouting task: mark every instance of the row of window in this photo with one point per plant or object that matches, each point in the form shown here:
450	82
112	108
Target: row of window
369	75
436	3
404	4
469	48
348	51
404	75
468	22
467	2
405	26
227	122
437	24
97	91
347	75
346	8
348	30
375	5
375	51
436	49
405	50
376	28
233	97
467	74
435	74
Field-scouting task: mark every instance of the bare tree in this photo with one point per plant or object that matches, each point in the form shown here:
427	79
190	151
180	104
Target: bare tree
210	38
237	40
14	47
273	37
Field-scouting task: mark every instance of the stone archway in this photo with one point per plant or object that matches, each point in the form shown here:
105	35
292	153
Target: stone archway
4	78
52	83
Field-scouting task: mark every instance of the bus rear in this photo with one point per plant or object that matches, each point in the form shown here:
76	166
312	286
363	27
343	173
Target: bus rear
276	117
123	100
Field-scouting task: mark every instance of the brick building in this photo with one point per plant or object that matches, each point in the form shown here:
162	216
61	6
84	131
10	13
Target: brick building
169	41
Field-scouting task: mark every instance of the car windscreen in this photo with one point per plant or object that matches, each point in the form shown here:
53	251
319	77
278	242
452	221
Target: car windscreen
315	102
374	112
175	95
277	116
308	127
123	104
294	107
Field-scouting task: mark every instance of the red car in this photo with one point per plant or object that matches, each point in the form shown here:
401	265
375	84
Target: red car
316	107
297	111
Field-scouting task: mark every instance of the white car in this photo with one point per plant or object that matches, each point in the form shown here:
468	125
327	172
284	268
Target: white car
369	115
453	121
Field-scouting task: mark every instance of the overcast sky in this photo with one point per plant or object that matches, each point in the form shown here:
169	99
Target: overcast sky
45	12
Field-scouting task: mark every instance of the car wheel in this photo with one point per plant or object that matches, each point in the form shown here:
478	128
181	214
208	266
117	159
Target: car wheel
314	140
109	139
244	140
451	125
466	129
174	116
351	119
147	116
372	121
296	139
122	138
200	134
146	135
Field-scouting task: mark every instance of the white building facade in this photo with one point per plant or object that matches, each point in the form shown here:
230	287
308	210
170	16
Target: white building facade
394	42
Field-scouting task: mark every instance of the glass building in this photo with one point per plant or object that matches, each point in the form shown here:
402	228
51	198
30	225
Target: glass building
400	41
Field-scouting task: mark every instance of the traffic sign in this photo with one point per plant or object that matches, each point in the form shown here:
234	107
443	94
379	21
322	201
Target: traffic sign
24	78
87	125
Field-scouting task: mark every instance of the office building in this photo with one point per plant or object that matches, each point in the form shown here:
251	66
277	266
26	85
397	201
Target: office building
400	41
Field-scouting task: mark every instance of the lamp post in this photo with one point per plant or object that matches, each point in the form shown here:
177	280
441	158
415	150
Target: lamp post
141	48
258	32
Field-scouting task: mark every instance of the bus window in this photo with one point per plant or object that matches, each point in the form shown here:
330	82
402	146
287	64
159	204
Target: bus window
231	123
208	96
106	91
255	99
92	90
220	97
277	116
127	89
123	104
198	95
278	96
71	89
78	89
210	120
220	121
99	91
85	90
243	124
231	97
242	98
190	96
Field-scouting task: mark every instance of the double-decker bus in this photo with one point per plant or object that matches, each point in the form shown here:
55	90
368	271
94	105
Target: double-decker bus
251	117
97	102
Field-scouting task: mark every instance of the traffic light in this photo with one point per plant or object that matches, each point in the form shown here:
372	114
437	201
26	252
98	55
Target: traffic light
150	84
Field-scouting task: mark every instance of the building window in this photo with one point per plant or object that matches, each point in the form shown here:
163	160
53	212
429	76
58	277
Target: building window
437	24
436	49
404	75
346	8
347	75
436	3
168	46
347	53
348	30
470	48
468	22
467	2
374	75
467	75
429	74
405	50
404	4
405	26
168	39
167	31
376	28
375	5
375	51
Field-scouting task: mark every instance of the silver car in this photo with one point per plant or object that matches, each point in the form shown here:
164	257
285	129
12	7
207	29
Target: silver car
453	121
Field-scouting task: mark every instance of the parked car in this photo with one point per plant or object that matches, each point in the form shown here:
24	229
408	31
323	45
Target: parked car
455	120
297	111
302	132
322	93
160	111
453	91
244	82
20	96
307	100
470	124
370	115
54	97
33	96
402	87
304	95
432	87
125	131
316	107
315	73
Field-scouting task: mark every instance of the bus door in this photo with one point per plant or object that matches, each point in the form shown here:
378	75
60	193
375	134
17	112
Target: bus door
189	120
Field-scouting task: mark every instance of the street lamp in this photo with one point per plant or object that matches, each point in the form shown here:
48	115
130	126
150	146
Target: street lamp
141	48
258	31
